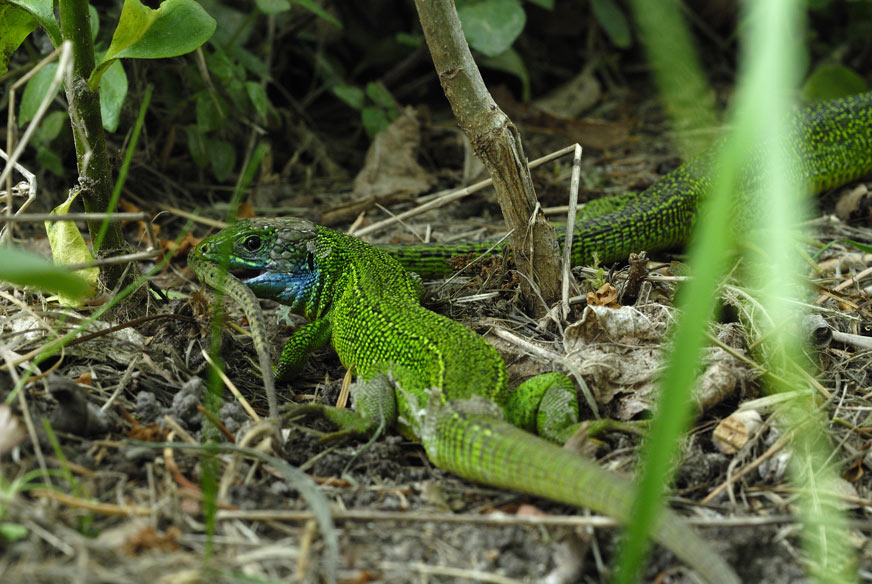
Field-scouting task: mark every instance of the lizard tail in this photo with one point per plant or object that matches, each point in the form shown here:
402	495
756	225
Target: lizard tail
490	451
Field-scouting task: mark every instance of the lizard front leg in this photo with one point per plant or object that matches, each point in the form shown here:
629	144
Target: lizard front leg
310	337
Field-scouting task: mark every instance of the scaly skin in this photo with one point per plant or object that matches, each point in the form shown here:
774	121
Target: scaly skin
430	377
832	145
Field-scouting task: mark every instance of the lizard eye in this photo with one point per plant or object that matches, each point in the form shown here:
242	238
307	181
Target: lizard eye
252	243
310	261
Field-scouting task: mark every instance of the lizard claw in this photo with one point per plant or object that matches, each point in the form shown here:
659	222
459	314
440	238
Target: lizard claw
337	436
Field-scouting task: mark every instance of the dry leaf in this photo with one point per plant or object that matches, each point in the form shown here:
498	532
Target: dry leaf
391	164
734	431
11	430
69	247
855	205
605	296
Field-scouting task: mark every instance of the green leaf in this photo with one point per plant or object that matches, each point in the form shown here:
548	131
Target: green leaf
374	119
15	24
865	248
351	95
24	268
35	91
330	69
405	39
548	4
380	96
222	158
12	531
113	90
832	81
258	97
51	126
234	26
94	19
316	9
49	160
209	115
510	62
273	6
43	12
238	96
197	145
614	23
222	66
249	61
69	247
491	26
176	28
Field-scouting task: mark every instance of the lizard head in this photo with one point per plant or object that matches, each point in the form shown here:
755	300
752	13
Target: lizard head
275	257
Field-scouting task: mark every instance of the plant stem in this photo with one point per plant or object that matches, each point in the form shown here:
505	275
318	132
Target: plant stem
496	142
95	172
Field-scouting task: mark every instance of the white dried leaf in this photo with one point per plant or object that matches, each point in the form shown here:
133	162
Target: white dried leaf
734	431
12	432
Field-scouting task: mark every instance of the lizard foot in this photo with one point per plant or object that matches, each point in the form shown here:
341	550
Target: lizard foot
349	422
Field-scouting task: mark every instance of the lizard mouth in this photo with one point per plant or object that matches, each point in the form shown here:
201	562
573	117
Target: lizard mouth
247	274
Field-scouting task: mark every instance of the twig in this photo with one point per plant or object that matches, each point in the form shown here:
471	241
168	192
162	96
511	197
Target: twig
850	281
779	444
99	508
570	228
232	387
216	421
183	434
65	51
122	383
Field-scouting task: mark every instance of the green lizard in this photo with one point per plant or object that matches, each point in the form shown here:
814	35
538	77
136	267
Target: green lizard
432	378
440	383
